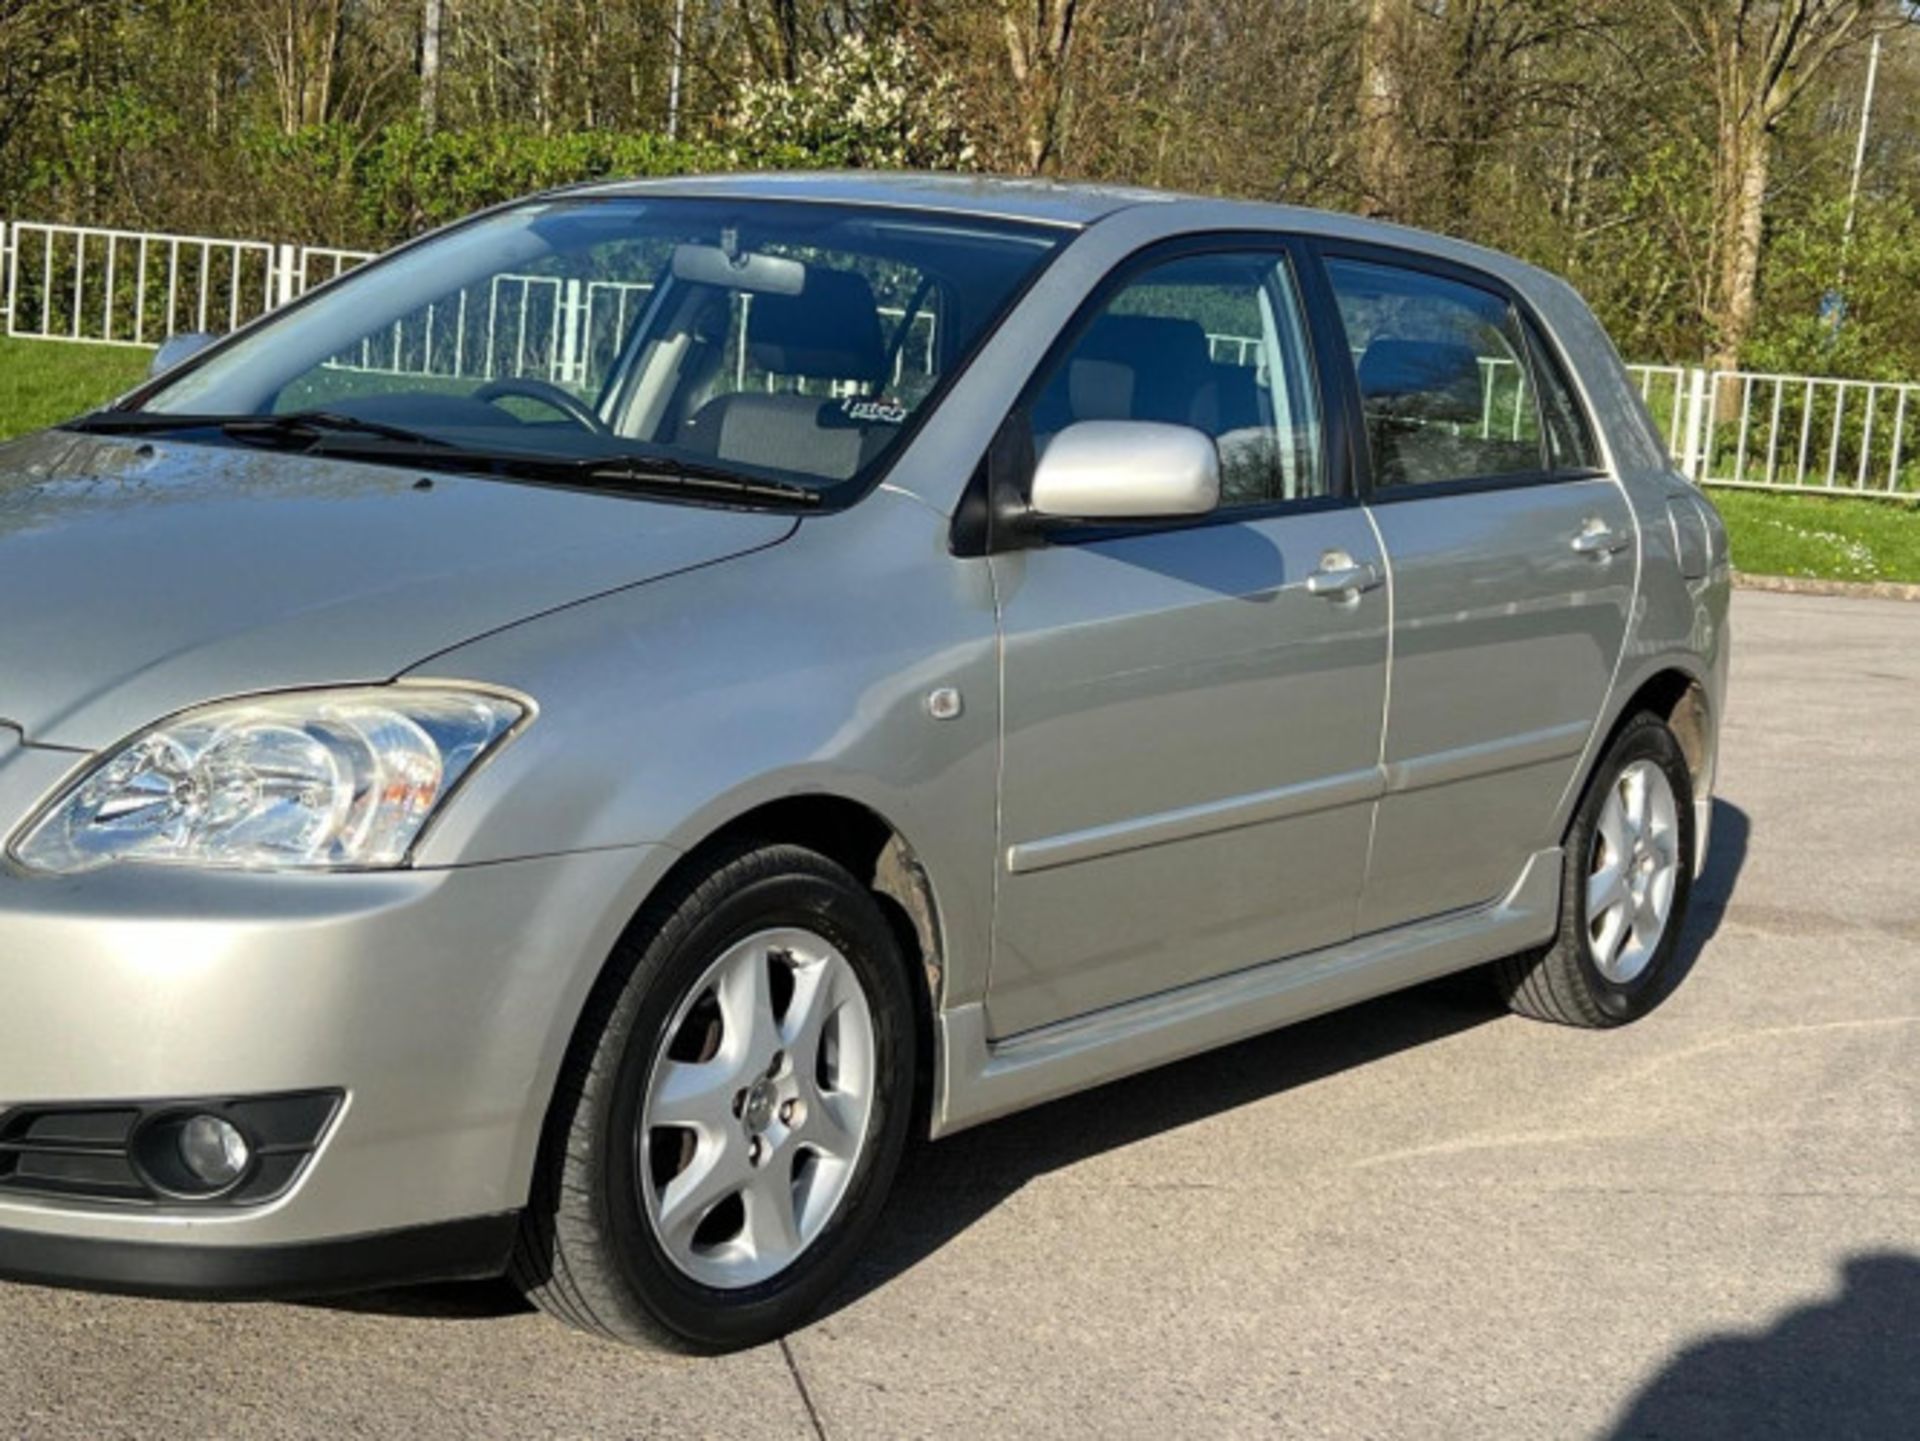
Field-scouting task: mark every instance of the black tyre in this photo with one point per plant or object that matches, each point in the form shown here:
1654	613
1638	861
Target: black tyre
732	1112
1627	880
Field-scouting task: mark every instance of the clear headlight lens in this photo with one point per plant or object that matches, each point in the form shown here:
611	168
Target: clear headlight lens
309	780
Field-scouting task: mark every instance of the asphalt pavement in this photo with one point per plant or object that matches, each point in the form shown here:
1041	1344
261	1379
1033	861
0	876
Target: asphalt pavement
1418	1218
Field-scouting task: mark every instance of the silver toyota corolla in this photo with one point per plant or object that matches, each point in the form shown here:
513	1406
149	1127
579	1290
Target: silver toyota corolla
557	752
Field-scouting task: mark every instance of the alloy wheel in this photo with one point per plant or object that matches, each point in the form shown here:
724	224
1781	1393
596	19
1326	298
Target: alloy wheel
757	1108
1633	872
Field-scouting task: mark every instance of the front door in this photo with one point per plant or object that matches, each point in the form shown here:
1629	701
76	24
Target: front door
1513	569
1192	733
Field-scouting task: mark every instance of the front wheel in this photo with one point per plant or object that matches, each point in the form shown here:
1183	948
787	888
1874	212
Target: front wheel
733	1114
1628	877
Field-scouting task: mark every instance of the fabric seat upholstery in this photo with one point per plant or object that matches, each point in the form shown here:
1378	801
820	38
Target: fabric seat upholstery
829	331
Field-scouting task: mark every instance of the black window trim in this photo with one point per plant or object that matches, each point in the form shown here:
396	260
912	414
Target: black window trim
1544	353
992	515
1324	248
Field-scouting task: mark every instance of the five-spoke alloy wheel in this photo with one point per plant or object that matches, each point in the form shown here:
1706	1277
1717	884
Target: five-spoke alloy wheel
732	1112
1628	875
756	1113
1635	869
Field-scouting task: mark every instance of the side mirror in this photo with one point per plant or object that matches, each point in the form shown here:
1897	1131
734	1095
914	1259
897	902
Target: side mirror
176	348
1126	470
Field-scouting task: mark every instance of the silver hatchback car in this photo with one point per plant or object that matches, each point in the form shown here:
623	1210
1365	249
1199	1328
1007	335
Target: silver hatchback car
556	753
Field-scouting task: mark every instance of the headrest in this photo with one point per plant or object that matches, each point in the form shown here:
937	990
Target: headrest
1163	342
1421	380
1139	367
829	331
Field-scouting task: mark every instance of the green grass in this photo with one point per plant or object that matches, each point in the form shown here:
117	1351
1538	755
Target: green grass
43	381
1821	537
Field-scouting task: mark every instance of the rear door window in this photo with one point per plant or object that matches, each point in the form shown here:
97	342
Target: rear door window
1445	386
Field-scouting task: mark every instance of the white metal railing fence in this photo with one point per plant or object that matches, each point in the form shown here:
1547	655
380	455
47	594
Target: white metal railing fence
94	285
1802	432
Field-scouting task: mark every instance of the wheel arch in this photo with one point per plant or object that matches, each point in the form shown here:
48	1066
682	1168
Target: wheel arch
856	836
848	832
1680	697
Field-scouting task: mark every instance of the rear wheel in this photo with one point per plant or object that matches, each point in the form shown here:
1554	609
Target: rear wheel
732	1115
1628	877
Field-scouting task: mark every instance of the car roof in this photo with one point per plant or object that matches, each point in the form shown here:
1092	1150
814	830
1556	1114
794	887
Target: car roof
1046	201
1074	205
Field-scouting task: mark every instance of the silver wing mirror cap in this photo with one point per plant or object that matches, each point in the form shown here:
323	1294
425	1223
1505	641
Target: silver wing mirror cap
1126	470
176	348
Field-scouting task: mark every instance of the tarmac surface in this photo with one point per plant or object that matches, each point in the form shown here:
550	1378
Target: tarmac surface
1421	1217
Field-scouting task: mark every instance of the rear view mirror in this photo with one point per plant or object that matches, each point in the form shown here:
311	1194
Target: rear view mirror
176	348
1126	470
747	270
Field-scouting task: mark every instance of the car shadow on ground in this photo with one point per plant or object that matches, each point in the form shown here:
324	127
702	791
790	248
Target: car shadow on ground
1845	1367
945	1188
1713	888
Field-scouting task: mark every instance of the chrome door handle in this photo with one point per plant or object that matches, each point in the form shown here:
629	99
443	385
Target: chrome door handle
1596	539
1340	577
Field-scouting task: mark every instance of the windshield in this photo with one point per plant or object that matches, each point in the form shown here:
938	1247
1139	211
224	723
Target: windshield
792	343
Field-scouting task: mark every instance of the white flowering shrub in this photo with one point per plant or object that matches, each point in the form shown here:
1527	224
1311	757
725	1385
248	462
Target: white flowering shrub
868	103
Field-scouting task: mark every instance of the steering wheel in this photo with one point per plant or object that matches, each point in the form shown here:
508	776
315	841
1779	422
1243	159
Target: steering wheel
543	393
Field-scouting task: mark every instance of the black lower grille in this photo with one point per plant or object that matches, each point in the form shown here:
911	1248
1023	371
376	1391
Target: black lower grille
93	1152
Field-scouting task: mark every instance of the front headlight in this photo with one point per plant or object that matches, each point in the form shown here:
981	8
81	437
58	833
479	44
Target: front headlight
308	780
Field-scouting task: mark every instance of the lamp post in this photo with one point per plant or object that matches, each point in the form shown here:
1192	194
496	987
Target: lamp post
1833	305
1860	152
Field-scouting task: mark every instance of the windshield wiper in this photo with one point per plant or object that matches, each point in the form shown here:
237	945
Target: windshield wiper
329	433
632	473
141	422
657	474
312	425
298	425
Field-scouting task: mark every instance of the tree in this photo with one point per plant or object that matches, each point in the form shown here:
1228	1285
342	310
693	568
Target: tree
1759	57
32	55
865	103
432	16
1386	161
1039	36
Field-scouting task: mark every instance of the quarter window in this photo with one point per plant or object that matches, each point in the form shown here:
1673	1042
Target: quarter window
1216	342
1569	442
1445	386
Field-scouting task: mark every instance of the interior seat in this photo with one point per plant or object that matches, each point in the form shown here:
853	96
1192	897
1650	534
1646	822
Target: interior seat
1416	395
1132	367
829	331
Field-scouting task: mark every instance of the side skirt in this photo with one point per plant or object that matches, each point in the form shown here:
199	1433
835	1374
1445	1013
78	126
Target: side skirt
981	1079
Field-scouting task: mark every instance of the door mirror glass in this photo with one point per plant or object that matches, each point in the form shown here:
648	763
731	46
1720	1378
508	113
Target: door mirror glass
176	348
1127	470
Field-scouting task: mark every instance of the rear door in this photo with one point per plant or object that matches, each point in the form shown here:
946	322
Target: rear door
1513	558
1191	733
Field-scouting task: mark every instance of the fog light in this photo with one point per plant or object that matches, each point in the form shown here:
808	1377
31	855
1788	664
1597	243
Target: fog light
214	1151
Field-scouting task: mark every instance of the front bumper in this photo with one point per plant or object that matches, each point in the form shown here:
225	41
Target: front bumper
450	1251
439	1002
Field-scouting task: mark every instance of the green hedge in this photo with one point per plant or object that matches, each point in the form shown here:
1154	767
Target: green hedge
403	179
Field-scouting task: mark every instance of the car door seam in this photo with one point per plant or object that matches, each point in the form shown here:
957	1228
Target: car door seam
1386	709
